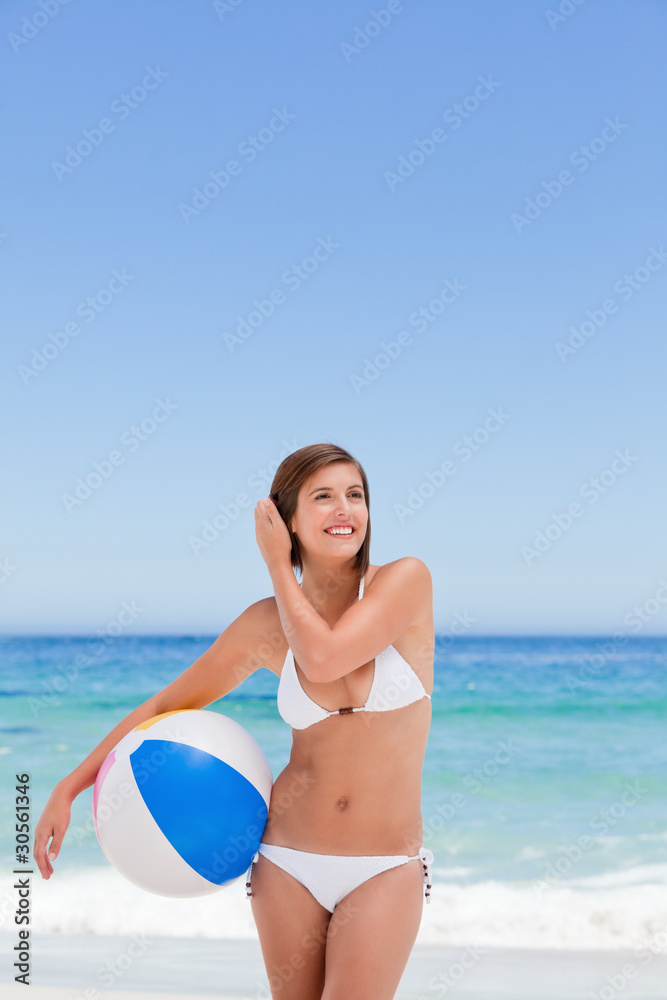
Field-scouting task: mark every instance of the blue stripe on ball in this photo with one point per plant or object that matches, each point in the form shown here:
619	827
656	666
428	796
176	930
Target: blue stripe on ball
211	815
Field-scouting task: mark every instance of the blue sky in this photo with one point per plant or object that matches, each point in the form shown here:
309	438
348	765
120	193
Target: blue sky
429	232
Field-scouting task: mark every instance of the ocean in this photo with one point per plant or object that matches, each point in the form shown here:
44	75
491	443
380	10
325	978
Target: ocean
544	787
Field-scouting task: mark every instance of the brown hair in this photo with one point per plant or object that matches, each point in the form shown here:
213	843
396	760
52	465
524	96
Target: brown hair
290	476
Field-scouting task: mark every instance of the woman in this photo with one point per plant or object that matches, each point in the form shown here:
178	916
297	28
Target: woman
337	885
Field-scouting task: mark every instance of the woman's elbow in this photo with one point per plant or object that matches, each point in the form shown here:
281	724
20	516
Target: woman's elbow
314	669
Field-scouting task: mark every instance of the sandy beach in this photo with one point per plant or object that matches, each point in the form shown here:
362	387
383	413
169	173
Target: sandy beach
64	967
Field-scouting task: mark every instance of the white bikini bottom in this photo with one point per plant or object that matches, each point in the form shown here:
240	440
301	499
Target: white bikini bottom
329	877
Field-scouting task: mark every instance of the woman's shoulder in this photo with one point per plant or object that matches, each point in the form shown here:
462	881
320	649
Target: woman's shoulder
410	577
408	569
268	634
416	645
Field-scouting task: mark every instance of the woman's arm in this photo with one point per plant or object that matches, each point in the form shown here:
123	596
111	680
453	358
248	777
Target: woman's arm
232	658
399	594
401	590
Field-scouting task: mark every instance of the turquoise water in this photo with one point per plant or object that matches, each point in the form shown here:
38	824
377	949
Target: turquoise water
535	743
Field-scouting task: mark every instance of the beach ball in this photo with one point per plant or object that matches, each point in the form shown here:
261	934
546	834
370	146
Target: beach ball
180	804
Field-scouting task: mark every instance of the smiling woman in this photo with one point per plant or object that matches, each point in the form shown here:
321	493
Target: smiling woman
327	470
345	858
337	884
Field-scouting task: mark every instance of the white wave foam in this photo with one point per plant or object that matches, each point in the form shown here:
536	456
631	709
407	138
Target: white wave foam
639	875
563	916
618	910
530	853
459	872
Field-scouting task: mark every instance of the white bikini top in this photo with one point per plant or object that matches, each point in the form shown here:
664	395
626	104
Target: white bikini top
395	684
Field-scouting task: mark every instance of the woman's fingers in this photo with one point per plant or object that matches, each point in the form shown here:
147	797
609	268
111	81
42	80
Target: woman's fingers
52	826
56	844
39	853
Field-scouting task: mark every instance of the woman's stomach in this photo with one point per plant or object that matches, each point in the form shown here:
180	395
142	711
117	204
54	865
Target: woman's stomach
353	787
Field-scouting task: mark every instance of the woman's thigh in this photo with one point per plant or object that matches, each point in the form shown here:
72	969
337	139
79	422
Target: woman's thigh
292	928
367	954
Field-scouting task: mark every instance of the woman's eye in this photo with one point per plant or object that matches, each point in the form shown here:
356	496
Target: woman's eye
320	495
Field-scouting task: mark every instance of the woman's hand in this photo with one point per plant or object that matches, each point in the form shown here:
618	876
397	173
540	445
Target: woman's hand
271	533
52	824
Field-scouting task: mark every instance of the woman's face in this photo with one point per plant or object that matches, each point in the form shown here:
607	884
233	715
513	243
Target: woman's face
333	496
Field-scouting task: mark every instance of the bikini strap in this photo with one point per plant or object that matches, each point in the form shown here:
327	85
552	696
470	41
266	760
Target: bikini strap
427	859
248	885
